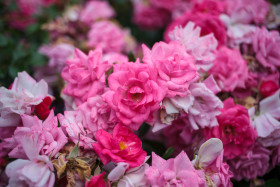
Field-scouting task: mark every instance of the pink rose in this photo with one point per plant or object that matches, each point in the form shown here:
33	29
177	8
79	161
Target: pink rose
266	45
177	171
234	130
134	93
149	17
175	68
208	24
252	164
166	4
229	69
212	7
85	75
96	181
247	11
122	146
108	35
101	9
268	88
96	114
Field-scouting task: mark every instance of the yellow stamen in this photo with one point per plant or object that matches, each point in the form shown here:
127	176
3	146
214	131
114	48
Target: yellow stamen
123	145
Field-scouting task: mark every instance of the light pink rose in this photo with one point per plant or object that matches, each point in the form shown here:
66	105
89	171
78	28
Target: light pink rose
170	110
122	146
266	122
95	10
71	123
24	94
206	106
247	11
149	17
129	177
134	93
108	35
96	114
36	171
210	160
175	68
229	69
201	48
85	75
177	171
238	33
57	54
234	130
266	45
252	164
51	138
207	22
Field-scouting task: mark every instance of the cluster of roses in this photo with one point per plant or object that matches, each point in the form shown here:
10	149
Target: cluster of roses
45	153
215	79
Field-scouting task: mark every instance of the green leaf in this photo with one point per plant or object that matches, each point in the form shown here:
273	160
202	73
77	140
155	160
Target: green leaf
13	70
3	40
144	128
18	54
75	151
272	183
32	28
37	59
168	153
131	57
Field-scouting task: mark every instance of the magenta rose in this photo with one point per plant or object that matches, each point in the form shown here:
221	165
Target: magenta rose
252	164
134	93
175	67
150	17
207	22
229	69
122	146
234	130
